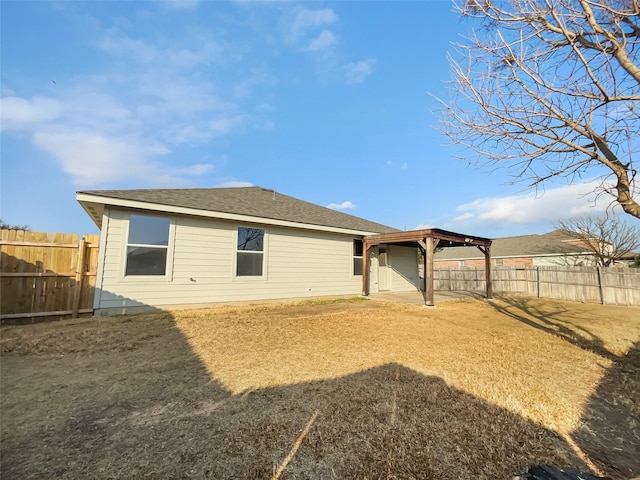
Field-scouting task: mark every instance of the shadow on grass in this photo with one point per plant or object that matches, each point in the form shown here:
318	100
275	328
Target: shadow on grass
525	311
610	430
610	425
126	397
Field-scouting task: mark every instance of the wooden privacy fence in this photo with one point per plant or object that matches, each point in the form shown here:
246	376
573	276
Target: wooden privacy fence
610	285
46	274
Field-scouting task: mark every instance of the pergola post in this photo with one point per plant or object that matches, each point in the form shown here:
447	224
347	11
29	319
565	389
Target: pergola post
365	268
424	267
487	270
428	274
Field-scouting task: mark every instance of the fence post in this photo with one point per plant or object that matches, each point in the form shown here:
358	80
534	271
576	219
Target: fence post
77	292
538	280
600	288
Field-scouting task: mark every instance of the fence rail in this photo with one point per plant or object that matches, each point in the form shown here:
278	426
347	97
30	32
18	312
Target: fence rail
46	274
610	285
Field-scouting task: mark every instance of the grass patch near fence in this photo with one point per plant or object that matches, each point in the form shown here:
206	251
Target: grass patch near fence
325	389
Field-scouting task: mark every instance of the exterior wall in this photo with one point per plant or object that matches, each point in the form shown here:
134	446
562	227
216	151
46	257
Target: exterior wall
515	262
584	260
201	266
404	268
479	262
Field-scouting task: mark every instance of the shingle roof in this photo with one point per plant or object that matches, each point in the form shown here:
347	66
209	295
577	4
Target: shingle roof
552	243
250	201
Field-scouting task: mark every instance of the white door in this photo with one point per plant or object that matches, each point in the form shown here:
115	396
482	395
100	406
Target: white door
384	270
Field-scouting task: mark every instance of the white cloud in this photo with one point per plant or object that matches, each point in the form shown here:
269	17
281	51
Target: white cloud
322	42
463	217
341	206
545	208
127	47
17	113
234	184
174	57
310	19
125	122
357	72
92	158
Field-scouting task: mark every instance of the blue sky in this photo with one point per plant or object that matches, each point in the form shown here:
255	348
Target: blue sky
324	101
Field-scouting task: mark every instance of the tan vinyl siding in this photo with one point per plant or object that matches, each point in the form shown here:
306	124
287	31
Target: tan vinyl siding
298	263
404	268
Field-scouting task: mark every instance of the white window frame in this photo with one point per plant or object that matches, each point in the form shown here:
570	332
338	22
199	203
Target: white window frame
265	236
168	276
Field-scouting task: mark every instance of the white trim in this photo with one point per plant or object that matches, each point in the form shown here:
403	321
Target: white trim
250	278
167	209
102	251
168	274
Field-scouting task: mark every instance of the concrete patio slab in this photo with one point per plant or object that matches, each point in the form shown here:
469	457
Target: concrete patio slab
417	298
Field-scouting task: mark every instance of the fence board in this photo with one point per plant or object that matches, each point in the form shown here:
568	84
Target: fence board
40	275
619	286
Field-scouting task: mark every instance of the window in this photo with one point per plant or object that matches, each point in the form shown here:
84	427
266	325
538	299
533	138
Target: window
250	252
499	262
147	245
357	257
461	263
382	257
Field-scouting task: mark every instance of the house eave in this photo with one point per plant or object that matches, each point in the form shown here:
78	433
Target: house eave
94	206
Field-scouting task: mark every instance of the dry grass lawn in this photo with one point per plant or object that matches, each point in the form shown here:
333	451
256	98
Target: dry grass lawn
325	389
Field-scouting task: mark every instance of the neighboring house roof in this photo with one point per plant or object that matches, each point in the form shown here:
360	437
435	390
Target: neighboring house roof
552	243
244	203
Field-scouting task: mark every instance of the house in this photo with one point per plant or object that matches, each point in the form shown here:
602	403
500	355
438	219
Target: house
163	248
553	248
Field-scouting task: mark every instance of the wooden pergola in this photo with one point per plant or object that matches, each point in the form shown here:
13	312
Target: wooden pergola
427	241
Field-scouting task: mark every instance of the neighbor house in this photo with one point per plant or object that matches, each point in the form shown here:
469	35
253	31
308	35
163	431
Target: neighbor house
553	248
162	248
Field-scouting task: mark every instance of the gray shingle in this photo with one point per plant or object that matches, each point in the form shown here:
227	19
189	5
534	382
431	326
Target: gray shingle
520	246
251	201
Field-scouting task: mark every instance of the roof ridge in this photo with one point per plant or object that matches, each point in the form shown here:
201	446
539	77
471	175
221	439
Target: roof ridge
250	201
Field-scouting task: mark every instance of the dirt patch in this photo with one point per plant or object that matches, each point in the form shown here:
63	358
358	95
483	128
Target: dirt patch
467	390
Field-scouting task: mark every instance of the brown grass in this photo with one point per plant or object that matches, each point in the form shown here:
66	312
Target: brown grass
469	389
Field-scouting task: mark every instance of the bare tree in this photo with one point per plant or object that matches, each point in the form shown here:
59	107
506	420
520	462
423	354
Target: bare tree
550	89
7	226
606	237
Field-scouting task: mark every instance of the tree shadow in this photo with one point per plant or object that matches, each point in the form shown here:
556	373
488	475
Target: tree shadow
610	425
525	311
609	432
126	397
